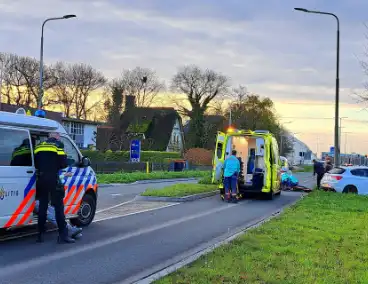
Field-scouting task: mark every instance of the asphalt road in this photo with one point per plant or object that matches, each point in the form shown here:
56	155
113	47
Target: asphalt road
112	195
117	249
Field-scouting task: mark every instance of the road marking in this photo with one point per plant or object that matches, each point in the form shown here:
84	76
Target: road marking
115	206
45	260
134	213
94	221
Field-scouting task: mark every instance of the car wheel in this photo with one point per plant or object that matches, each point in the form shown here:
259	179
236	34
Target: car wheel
86	212
350	189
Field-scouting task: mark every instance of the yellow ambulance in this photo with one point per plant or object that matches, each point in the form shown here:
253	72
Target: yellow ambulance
258	153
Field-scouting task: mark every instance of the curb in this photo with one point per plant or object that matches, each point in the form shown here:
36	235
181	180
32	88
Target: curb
177	199
194	256
148	181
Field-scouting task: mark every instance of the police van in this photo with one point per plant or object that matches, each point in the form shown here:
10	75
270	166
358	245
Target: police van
19	134
258	153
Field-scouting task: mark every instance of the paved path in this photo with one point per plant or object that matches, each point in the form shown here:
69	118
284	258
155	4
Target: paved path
306	179
131	247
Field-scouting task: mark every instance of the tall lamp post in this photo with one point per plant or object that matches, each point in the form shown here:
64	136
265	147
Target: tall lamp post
336	143
40	95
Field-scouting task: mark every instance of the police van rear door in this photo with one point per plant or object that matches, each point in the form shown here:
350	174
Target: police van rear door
17	177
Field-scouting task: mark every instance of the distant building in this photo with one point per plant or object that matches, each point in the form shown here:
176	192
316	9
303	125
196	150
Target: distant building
301	153
159	128
83	132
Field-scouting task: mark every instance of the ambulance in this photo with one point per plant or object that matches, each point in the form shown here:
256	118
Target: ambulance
259	158
19	134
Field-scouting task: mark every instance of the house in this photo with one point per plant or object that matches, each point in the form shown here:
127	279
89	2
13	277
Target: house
83	132
159	129
301	153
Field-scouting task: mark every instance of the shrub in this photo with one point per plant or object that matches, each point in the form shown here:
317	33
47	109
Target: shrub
123	156
199	156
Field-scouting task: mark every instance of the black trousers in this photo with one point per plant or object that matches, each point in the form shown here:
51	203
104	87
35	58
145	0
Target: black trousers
319	178
47	187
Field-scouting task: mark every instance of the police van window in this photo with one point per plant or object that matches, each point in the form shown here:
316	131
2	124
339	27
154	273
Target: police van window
15	148
70	151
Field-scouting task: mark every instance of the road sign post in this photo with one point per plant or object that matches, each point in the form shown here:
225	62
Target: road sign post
135	151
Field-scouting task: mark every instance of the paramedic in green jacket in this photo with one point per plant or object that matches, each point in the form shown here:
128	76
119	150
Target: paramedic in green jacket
231	173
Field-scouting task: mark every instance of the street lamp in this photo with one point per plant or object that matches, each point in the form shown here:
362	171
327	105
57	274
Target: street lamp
337	145
40	95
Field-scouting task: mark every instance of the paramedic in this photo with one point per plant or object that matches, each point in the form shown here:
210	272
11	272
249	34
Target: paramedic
319	170
50	158
231	172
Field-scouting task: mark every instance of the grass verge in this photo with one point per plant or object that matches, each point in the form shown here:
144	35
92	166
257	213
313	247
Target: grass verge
322	239
137	176
304	168
180	190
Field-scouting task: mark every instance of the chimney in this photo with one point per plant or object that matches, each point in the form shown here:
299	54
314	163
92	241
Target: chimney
129	102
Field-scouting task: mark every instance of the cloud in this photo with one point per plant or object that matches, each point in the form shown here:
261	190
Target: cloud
275	51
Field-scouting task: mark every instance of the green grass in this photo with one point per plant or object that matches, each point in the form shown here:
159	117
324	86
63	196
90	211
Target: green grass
180	190
322	239
206	179
136	176
304	168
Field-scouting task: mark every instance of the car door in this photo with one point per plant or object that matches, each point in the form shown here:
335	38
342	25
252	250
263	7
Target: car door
360	180
76	185
219	157
17	177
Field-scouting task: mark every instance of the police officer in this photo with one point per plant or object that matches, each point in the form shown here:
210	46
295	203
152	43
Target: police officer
50	158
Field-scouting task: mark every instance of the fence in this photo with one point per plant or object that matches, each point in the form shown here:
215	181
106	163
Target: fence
112	167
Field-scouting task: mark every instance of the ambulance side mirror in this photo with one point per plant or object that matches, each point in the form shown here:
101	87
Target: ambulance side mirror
86	162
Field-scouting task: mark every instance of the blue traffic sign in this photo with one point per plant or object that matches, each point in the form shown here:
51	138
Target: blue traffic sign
135	151
332	150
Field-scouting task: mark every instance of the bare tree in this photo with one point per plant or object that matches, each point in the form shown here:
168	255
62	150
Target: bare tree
6	61
143	83
28	69
74	87
201	87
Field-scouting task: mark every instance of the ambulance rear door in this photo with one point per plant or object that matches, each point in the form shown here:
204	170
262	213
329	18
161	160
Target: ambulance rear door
17	177
219	157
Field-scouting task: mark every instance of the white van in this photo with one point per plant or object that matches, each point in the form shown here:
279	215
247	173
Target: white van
19	133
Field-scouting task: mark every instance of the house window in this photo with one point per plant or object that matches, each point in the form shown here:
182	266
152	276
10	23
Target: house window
76	132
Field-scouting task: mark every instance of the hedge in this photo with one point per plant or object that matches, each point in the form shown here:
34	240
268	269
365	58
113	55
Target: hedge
123	156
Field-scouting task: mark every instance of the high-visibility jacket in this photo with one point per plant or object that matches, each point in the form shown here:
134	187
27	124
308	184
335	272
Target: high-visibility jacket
50	158
22	156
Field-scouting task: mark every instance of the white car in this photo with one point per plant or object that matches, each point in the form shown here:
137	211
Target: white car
346	180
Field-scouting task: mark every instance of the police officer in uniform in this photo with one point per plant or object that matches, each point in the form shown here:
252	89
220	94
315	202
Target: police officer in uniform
50	158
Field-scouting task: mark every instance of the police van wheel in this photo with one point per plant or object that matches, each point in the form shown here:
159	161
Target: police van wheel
86	212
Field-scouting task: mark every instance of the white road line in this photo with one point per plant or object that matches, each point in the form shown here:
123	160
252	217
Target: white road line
134	213
115	206
94	221
45	260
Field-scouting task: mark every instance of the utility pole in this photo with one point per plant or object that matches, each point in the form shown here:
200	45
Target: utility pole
337	81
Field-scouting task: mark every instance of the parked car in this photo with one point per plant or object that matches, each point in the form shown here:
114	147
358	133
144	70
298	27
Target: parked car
352	179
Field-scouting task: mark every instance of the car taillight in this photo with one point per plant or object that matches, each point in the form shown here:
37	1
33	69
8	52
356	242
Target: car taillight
336	177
